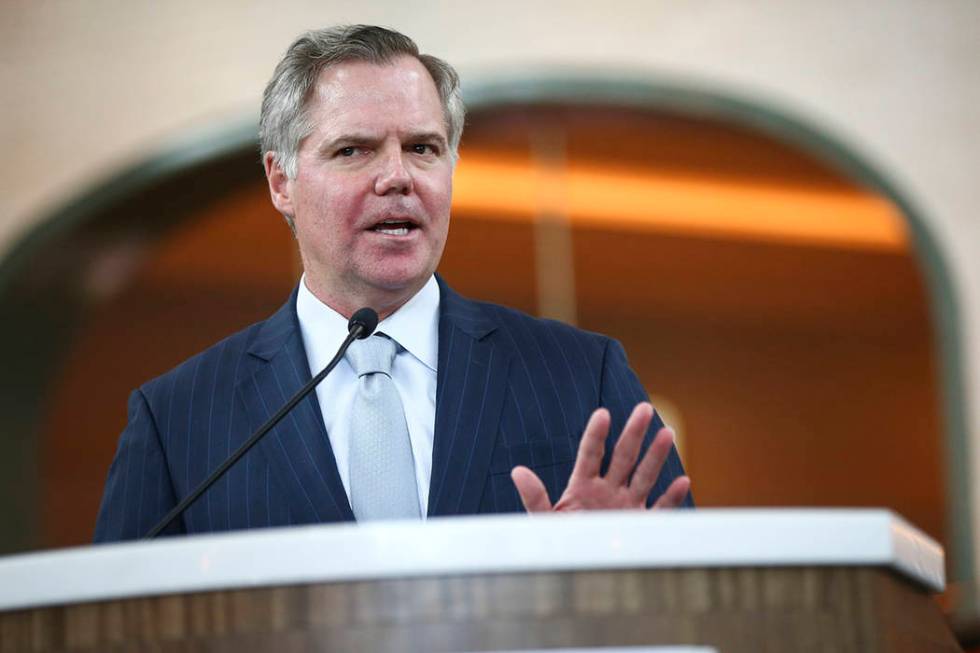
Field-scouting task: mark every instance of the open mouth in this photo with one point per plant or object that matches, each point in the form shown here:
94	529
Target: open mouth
395	227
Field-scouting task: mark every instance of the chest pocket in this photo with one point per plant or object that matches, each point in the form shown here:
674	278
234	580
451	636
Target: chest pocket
536	455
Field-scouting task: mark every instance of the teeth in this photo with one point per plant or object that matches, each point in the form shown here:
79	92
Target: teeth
394	227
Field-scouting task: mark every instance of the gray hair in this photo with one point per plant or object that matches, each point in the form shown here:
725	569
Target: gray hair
284	122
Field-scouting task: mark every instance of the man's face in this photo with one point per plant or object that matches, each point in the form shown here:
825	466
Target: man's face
372	192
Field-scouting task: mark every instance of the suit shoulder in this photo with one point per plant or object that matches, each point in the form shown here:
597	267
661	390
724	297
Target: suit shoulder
225	353
517	321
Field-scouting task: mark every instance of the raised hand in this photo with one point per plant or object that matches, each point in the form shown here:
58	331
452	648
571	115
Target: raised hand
617	490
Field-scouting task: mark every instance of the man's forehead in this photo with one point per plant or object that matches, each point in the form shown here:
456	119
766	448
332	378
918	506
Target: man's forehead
352	93
350	79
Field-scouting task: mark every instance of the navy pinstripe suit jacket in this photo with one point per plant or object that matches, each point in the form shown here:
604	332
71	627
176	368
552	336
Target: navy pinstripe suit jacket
511	389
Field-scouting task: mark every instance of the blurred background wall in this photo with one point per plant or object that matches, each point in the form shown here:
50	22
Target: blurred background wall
773	204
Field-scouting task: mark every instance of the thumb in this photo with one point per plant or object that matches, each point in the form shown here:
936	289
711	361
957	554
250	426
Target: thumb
534	496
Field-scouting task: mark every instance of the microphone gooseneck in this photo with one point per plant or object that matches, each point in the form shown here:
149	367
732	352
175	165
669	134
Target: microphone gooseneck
362	324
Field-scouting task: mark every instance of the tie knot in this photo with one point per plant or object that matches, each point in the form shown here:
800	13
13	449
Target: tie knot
371	355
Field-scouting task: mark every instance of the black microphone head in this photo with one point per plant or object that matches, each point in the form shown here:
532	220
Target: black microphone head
366	318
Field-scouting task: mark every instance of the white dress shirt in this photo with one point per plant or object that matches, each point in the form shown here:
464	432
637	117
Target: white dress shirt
415	327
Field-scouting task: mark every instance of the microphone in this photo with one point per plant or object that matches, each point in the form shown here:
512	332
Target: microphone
361	325
365	320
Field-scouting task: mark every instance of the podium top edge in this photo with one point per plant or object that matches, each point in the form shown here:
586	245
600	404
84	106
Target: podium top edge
703	538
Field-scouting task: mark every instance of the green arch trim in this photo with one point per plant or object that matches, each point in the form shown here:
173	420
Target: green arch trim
648	93
187	151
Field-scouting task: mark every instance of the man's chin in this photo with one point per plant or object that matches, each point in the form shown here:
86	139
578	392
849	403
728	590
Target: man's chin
399	282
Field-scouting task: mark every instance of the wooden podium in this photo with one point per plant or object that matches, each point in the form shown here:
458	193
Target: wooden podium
735	580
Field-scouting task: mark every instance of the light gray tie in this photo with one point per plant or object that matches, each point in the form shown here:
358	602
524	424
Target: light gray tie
382	468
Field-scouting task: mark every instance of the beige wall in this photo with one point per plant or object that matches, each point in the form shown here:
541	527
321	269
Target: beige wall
90	86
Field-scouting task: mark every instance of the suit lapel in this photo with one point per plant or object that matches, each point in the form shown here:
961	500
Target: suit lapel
471	385
298	449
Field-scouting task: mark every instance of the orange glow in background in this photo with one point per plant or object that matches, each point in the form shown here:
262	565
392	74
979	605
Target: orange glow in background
684	204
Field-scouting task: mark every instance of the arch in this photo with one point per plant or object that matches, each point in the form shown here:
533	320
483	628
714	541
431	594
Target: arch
233	151
784	124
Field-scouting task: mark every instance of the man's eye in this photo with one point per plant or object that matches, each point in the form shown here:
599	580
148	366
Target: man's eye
347	151
423	148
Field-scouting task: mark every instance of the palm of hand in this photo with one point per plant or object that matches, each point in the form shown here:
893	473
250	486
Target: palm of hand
596	494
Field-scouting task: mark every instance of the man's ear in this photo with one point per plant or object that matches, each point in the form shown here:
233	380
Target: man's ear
280	187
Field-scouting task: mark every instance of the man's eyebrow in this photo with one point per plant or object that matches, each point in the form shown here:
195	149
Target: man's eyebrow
343	140
425	136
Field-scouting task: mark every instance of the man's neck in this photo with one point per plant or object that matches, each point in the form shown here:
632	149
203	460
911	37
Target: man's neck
383	302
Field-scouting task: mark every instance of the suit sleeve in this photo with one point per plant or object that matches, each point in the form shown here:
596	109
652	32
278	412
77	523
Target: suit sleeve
138	491
619	391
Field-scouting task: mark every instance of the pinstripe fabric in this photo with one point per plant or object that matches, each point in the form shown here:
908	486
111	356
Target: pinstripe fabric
512	390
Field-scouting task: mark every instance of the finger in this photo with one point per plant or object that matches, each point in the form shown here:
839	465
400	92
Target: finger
534	496
628	446
588	461
674	496
653	460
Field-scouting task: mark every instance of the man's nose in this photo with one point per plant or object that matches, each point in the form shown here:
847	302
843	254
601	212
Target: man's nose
393	177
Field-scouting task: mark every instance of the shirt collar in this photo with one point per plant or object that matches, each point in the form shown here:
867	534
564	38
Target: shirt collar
414	326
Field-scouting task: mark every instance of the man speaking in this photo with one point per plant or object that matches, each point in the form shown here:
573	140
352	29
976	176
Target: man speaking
452	407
